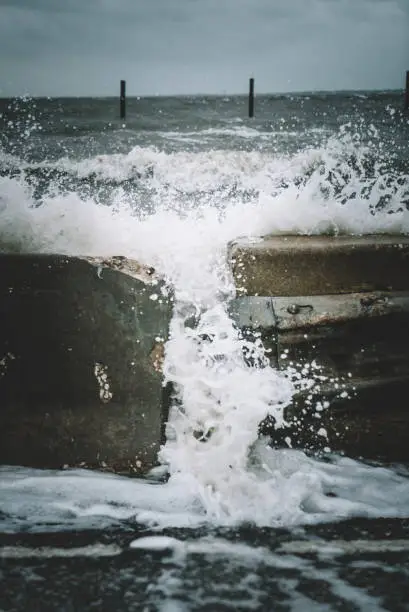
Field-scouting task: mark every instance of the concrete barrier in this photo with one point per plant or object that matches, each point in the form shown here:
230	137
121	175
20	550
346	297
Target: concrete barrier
82	340
335	309
320	265
81	344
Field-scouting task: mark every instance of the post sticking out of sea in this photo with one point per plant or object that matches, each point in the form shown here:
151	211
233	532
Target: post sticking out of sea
251	98
407	91
122	100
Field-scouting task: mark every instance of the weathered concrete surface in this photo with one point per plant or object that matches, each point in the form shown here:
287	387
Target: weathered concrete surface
81	344
373	423
320	265
364	365
354	345
359	366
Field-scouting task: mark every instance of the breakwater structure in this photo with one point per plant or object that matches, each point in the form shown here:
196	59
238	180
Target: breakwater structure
334	310
82	343
81	347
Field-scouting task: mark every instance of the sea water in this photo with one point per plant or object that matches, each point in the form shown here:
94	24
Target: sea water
230	524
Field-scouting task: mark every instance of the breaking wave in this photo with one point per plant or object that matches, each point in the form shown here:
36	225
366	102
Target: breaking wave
178	211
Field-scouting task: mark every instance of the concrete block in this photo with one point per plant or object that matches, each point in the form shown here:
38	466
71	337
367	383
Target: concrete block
319	265
81	345
335	309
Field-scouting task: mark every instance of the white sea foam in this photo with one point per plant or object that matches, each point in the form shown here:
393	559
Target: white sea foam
232	476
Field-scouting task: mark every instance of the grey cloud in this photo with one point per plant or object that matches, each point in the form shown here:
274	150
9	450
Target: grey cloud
170	46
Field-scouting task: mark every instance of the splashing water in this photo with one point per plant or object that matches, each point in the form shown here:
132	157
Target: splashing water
178	211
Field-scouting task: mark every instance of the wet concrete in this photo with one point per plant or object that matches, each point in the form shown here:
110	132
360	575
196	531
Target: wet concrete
319	265
351	342
81	345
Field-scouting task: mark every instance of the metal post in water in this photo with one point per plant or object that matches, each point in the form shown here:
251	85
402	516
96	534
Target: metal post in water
251	98
407	91
122	100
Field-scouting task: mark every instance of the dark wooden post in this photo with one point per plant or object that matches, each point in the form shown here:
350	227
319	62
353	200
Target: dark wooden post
251	98
122	100
407	91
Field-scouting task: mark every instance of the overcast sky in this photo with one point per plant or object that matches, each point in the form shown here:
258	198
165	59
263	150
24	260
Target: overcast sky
84	47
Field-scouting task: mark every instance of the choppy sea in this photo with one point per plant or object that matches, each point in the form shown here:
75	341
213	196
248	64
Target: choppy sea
237	524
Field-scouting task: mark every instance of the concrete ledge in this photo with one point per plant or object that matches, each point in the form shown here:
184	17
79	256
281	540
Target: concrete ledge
341	304
320	265
81	344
